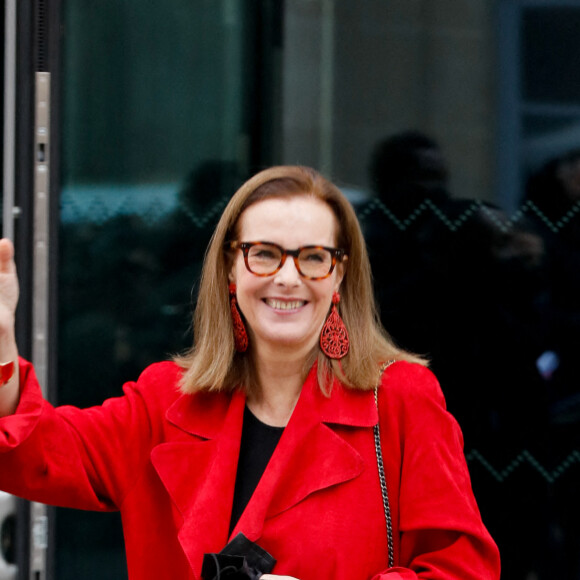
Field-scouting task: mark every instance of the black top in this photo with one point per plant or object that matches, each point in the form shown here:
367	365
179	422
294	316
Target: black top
258	443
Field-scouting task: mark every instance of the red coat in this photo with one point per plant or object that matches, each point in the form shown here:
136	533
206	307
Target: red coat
168	463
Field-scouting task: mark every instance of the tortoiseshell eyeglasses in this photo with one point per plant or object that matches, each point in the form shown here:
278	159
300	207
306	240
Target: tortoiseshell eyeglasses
267	258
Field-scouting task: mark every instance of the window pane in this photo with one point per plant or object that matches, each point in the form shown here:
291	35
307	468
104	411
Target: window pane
154	137
551	55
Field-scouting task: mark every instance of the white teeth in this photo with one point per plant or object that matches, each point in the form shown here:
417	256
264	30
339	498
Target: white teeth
284	305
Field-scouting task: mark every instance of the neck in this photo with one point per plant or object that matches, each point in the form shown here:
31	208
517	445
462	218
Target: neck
281	376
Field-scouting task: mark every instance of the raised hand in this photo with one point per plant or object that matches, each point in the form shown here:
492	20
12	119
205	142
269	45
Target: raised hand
9	392
8	283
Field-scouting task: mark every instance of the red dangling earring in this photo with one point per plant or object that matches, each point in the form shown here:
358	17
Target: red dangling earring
240	334
334	336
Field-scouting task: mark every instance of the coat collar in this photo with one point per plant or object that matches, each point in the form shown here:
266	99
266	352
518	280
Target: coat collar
199	472
203	414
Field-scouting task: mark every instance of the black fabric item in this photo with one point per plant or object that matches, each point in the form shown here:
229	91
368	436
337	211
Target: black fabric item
241	559
257	446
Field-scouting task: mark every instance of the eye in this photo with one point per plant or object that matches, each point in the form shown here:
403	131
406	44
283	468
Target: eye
265	253
315	256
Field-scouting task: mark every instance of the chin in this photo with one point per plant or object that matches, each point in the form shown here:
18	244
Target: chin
287	341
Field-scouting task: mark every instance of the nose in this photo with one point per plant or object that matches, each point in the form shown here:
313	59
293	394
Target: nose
288	275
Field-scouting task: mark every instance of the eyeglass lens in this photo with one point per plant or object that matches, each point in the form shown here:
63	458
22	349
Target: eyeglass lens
266	259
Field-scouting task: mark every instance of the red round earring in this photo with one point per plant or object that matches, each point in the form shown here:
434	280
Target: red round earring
334	340
240	334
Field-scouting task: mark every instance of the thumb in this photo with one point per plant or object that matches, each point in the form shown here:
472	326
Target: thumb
6	256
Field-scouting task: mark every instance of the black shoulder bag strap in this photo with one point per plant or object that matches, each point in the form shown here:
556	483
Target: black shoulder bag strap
382	478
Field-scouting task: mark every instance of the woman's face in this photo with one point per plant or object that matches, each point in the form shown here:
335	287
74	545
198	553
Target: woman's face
285	310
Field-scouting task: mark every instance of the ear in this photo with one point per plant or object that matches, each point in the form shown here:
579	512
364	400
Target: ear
231	267
340	272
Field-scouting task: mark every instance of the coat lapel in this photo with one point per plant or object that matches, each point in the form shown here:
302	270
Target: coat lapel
310	456
199	472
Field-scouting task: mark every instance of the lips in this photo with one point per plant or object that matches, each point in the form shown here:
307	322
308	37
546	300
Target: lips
284	304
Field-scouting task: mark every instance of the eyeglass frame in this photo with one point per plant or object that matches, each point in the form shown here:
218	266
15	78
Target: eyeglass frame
338	255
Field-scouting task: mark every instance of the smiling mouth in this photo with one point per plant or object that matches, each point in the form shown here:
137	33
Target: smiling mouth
284	304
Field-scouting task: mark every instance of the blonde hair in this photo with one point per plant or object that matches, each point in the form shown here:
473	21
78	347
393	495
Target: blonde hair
213	363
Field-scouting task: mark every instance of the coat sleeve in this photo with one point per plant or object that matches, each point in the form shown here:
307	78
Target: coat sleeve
68	457
441	534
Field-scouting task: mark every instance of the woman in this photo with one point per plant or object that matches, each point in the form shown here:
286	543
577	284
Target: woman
266	426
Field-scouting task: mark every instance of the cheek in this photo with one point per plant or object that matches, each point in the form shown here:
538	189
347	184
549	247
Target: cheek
325	294
246	285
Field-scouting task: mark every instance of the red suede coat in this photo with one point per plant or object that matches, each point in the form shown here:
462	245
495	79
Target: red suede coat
168	463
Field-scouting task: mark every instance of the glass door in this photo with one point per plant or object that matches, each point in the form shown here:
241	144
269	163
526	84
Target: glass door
161	114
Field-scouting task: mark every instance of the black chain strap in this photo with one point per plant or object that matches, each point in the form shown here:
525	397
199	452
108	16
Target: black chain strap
382	478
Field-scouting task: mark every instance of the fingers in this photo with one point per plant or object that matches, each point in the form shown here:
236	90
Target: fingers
6	256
